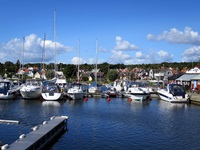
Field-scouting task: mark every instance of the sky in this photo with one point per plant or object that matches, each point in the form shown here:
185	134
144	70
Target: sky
112	31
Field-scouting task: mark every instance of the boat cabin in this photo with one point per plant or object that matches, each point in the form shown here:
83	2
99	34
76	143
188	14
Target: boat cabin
4	87
176	89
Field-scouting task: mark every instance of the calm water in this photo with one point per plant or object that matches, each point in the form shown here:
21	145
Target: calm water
118	124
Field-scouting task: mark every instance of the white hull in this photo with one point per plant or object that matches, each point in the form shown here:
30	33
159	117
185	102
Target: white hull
7	97
32	89
51	96
31	93
164	95
76	95
138	97
93	90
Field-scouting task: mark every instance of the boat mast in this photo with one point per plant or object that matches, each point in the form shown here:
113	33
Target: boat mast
43	54
23	58
78	60
96	59
55	65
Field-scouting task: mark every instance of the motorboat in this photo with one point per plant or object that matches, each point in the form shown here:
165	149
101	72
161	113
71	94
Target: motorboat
8	90
32	89
173	93
138	94
76	91
94	89
137	91
111	92
121	85
51	91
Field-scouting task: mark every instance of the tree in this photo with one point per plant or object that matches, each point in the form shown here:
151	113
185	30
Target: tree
70	71
112	75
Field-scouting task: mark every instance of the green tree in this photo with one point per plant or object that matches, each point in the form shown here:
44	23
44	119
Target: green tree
70	71
112	75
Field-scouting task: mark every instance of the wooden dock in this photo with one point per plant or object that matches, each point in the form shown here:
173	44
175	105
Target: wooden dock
41	135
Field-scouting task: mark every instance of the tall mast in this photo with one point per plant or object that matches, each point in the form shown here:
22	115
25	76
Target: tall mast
43	54
96	59
23	57
78	60
55	65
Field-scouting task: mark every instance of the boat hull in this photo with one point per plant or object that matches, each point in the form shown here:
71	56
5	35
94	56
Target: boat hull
173	99
139	96
76	95
7	97
51	96
31	94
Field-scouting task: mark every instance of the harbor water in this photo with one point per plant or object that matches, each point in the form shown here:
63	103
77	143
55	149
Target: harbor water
101	124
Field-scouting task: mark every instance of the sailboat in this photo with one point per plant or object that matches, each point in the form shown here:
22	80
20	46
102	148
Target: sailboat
76	90
51	90
32	88
94	90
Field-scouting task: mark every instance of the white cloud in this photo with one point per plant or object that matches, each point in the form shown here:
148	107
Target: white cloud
140	58
77	60
33	47
139	55
124	45
175	36
119	57
165	56
191	54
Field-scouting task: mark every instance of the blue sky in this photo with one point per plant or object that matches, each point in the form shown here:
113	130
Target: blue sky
128	31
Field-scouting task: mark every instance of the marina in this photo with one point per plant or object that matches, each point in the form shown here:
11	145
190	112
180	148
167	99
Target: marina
101	124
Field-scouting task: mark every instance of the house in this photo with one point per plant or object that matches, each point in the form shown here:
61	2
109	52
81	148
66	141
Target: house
195	82
172	79
97	73
160	74
185	79
193	70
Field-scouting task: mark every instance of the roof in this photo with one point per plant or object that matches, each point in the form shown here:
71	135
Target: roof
197	77
176	76
186	77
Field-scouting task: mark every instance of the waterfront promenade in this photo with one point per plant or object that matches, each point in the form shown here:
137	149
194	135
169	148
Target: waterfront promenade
195	98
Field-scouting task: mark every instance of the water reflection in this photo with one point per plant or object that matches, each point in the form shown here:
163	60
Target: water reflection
163	105
51	103
75	102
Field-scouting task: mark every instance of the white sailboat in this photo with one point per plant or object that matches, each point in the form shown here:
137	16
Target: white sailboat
76	89
94	89
52	91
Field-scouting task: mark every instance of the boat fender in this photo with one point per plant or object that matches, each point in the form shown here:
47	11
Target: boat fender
6	146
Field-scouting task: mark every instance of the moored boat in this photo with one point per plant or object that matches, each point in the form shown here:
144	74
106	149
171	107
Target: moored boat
32	89
8	90
76	91
51	91
174	93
